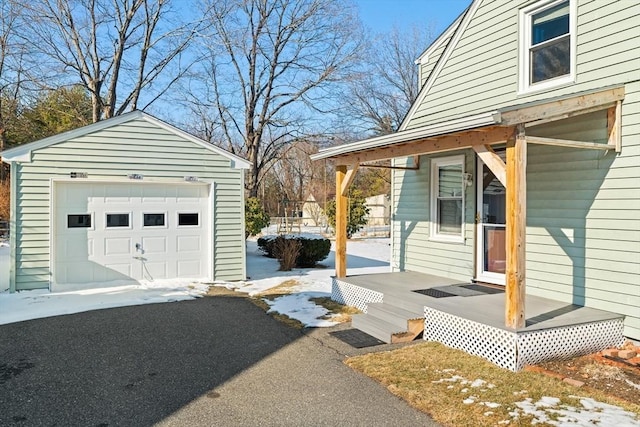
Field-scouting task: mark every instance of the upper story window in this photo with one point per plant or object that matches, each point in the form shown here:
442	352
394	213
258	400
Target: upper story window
547	48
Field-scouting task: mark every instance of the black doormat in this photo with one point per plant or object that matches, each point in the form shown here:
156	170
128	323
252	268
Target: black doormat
434	292
460	290
356	338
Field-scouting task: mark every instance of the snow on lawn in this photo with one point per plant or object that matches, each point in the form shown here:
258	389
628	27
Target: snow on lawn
364	256
549	410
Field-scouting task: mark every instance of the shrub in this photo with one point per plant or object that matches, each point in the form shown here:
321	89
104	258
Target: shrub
255	217
287	252
313	248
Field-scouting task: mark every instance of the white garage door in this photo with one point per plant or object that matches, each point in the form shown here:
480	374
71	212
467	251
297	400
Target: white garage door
107	232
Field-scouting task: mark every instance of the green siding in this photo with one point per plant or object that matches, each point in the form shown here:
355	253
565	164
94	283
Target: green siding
136	146
583	206
412	248
482	72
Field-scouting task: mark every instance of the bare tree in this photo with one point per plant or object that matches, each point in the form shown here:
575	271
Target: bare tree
11	53
116	48
272	70
388	85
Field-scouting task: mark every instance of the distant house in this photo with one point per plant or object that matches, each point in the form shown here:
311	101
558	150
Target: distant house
518	166
379	209
126	199
313	213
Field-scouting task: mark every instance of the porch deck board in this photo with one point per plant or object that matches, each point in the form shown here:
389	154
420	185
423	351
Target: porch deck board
541	313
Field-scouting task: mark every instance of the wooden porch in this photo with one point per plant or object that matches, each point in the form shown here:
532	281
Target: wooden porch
471	318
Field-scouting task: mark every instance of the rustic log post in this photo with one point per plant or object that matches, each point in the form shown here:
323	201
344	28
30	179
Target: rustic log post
516	229
341	223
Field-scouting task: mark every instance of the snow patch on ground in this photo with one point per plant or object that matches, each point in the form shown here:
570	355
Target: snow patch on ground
549	409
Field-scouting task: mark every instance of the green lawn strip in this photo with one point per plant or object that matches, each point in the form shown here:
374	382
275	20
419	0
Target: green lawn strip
427	375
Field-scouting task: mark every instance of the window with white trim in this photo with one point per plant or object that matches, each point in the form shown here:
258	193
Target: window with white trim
547	44
447	198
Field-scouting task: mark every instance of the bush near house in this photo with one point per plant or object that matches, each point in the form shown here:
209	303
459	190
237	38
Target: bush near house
314	248
255	217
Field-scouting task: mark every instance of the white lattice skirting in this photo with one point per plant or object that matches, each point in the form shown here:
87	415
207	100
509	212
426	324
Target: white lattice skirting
513	350
352	295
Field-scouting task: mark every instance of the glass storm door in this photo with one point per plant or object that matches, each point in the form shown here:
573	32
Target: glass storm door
491	219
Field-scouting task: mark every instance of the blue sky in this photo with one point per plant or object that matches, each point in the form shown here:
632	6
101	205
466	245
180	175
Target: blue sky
382	15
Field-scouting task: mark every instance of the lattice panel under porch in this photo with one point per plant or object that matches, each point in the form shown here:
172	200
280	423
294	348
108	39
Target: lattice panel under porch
494	344
355	296
569	341
513	350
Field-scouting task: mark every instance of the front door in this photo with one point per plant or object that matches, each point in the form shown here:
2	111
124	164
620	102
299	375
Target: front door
491	219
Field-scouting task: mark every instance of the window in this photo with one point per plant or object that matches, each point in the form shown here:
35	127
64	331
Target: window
153	220
187	219
447	199
79	221
117	220
547	50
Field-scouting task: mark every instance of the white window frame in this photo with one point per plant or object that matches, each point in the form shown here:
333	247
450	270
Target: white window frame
526	15
188	212
436	163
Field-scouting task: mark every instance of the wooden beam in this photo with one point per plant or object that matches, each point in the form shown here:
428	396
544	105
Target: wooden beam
341	223
568	143
410	168
614	126
516	230
493	162
348	180
562	108
493	135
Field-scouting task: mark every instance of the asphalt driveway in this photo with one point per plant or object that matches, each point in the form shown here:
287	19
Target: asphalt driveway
215	361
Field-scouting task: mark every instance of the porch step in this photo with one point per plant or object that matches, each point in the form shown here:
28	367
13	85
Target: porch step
376	327
390	323
393	314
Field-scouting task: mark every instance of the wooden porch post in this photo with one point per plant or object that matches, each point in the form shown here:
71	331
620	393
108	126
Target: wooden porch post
341	223
516	229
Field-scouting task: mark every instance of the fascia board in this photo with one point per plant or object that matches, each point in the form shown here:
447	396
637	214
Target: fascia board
18	153
236	161
456	125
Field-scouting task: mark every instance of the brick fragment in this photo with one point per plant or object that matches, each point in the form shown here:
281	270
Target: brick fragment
627	354
573	382
610	352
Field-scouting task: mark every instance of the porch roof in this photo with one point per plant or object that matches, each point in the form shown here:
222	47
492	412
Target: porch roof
487	128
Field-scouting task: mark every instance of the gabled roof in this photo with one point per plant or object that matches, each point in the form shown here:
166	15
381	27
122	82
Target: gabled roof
459	26
22	153
441	38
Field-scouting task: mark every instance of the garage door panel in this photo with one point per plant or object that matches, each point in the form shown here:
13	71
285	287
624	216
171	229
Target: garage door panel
157	270
99	253
117	246
154	245
189	243
189	268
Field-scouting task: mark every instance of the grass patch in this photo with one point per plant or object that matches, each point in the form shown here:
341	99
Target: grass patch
283	288
337	312
436	379
283	318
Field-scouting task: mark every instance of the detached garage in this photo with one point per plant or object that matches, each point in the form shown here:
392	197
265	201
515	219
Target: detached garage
127	199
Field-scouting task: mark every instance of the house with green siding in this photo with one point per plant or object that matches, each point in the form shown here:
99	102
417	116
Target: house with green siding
124	200
517	169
